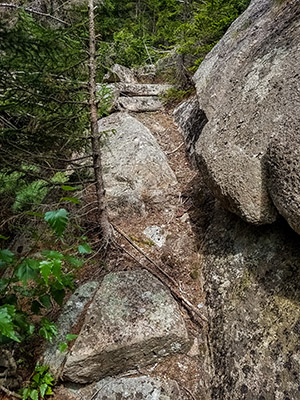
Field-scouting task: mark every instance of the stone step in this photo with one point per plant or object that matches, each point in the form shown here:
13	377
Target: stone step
142	89
139	104
132	321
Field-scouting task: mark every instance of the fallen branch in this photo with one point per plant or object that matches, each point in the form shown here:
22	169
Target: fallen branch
191	309
32	11
9	393
174	151
188	392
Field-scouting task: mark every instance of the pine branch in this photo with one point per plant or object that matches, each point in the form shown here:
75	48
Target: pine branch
32	11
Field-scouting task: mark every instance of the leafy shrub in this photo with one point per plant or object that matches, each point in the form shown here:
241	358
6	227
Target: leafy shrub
40	385
174	96
39	281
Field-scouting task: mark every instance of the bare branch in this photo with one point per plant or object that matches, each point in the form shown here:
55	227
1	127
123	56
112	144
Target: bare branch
32	11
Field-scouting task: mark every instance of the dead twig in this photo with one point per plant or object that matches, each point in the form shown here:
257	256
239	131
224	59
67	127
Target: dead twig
188	392
193	311
174	151
32	11
10	393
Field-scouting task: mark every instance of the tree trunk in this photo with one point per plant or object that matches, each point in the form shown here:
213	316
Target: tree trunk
105	227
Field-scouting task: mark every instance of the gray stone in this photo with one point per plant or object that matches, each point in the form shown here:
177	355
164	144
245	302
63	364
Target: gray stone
191	120
136	171
71	314
146	73
135	388
142	89
8	369
133	321
252	283
119	73
140	103
247	86
156	234
283	161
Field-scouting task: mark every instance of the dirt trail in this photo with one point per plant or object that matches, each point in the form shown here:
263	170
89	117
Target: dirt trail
179	257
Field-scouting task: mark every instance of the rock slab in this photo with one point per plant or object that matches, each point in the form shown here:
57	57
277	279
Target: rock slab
70	316
135	388
248	88
191	120
133	321
136	171
140	104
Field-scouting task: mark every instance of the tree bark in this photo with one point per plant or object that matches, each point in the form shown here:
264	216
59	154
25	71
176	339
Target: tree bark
105	227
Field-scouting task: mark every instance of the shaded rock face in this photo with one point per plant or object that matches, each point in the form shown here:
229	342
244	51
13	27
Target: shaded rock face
136	388
252	277
133	321
8	370
136	171
248	87
191	120
283	161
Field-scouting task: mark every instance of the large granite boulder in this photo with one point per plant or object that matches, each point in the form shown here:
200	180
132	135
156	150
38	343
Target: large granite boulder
133	321
248	88
136	171
252	282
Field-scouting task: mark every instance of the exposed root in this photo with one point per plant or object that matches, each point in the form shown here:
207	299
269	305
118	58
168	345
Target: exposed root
166	279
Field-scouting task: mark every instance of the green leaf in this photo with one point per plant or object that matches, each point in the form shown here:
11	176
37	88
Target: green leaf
57	220
70	337
36	378
73	261
45	300
6	256
4	237
52	254
35	214
3	283
28	270
58	295
48	378
48	330
63	347
84	249
49	391
35	307
43	389
69	188
25	393
46	269
56	270
34	394
73	200
6	322
21	321
41	368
